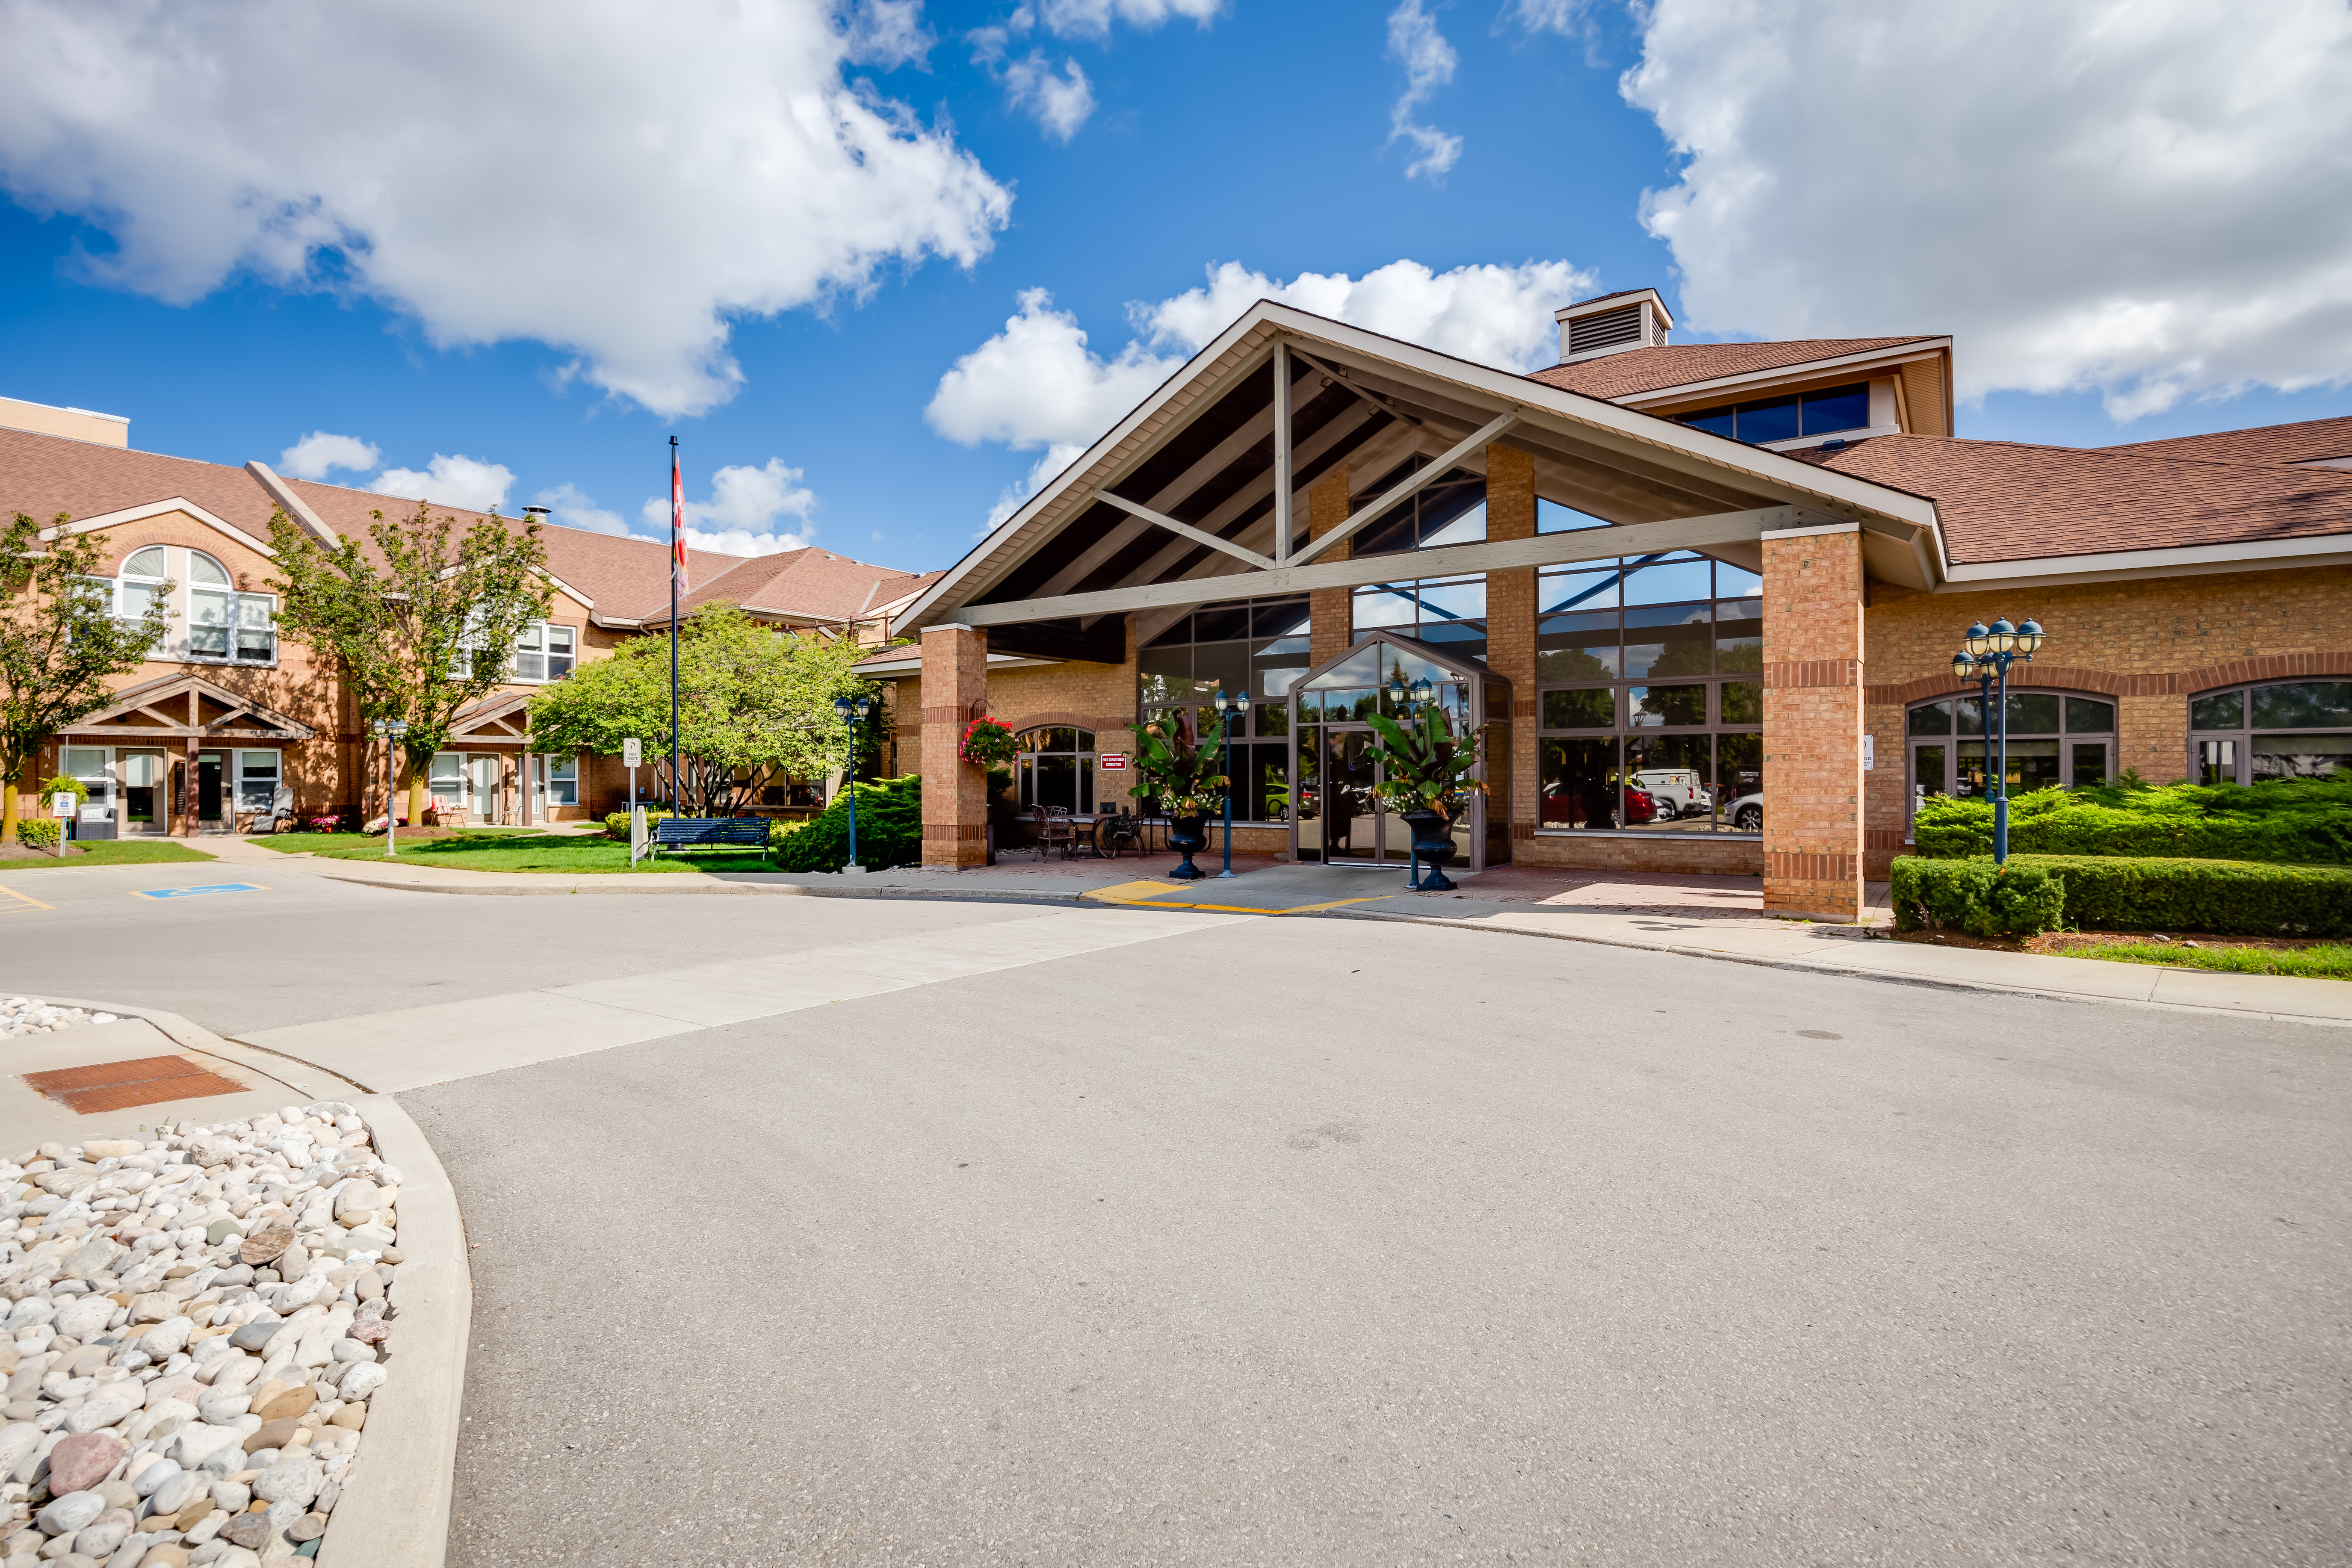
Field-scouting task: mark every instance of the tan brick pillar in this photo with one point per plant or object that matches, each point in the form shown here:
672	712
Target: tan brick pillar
1511	628
1812	723
955	794
1333	628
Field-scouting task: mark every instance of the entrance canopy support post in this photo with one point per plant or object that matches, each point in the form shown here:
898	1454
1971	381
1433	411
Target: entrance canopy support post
1283	480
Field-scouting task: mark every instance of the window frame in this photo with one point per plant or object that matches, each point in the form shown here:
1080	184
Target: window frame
1280	639
1726	585
2241	737
1956	744
1085	763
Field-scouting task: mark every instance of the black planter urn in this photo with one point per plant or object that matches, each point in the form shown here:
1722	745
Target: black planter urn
1433	845
1188	835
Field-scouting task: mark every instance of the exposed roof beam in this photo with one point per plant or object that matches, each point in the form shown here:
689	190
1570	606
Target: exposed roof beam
1544	550
1347	382
1197	535
1413	484
1351	419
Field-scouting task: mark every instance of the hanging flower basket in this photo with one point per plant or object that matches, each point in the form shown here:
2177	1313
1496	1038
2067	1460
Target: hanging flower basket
988	742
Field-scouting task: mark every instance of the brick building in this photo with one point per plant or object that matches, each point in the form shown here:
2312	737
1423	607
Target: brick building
1703	598
226	714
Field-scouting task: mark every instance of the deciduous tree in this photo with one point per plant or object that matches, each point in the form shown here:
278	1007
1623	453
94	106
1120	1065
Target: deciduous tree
60	644
422	626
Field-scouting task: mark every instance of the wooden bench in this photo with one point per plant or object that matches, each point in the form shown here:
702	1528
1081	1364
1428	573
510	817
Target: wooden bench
710	833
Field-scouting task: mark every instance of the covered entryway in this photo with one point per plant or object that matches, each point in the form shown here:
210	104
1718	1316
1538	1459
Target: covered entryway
1338	817
180	755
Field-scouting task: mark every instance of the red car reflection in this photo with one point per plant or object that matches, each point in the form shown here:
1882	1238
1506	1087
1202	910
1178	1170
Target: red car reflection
1567	806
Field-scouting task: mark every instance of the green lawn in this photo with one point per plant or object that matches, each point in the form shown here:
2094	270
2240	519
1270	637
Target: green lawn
2329	961
323	843
110	852
520	850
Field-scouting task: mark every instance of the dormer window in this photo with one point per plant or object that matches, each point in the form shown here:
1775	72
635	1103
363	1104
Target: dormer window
1789	417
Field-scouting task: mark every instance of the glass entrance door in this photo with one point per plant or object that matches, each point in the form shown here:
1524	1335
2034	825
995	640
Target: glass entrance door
1351	813
92	767
487	792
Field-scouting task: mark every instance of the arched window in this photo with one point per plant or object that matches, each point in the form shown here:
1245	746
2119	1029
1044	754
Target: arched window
140	583
2057	739
2286	730
225	623
1055	767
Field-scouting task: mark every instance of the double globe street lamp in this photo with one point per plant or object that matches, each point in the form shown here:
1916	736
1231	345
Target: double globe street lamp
1986	653
850	710
1231	707
393	731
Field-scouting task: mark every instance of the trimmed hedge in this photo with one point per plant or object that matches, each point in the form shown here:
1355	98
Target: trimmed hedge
2114	893
1977	897
617	823
2299	821
39	832
889	830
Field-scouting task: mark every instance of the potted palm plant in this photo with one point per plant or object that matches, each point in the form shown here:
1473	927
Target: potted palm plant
1176	765
1425	778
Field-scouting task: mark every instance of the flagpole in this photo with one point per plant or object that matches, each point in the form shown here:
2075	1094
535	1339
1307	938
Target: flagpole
676	571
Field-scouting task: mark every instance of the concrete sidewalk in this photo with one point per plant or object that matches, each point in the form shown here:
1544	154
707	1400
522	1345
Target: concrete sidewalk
1706	917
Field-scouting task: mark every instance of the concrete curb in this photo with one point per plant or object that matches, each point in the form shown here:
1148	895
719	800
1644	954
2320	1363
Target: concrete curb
394	1512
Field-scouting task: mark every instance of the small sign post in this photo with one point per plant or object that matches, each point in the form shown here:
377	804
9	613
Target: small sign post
63	803
633	756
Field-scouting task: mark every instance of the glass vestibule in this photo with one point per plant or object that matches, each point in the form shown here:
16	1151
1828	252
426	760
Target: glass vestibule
1337	817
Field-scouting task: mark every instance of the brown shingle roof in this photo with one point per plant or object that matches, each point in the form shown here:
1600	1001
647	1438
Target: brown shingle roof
2005	501
1637	371
2311	441
627	578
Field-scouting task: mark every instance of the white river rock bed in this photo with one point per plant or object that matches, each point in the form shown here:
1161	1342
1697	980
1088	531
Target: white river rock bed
195	1321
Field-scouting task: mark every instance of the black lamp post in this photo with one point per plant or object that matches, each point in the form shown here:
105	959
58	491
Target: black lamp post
849	711
1985	656
1232	708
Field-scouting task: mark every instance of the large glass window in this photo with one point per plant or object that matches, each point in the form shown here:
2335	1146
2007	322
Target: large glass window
1650	699
224	623
2057	741
1055	767
543	652
1789	417
140	583
1450	509
1258	645
2286	730
1451	615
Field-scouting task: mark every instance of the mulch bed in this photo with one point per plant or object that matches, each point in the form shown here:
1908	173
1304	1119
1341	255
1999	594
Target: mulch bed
20	852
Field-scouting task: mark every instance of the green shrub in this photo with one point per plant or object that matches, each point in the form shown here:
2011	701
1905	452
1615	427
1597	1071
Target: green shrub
1975	897
39	832
2289	821
2116	893
889	830
62	785
617	823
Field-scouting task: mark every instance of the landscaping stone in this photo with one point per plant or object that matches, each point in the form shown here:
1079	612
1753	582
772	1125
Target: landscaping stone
31	1016
193	1323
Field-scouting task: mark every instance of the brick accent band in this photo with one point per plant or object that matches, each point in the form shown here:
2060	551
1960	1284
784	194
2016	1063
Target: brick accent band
1803	867
1812	672
2163	683
1889	838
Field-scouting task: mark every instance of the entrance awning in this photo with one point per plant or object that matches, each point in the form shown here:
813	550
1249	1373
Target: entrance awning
188	708
493	721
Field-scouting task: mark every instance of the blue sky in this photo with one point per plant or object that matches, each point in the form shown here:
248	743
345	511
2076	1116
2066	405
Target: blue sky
1261	136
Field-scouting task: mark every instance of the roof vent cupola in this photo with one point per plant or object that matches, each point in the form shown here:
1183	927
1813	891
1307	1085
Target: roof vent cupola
1612	323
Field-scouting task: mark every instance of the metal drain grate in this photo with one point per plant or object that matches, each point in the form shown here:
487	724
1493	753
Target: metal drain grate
118	1086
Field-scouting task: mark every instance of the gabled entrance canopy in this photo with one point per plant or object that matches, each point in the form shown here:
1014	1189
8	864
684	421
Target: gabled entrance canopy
1196	495
187	707
493	721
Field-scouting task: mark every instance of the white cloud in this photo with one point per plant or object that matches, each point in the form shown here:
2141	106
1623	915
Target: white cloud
1494	315
1036	383
888	33
1092	18
2146	199
317	454
566	170
570	508
1566	18
1429	64
468	483
1059	103
745	506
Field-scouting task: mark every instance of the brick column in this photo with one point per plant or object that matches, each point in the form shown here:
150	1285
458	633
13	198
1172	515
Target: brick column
1812	724
955	794
1327	509
1511	628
